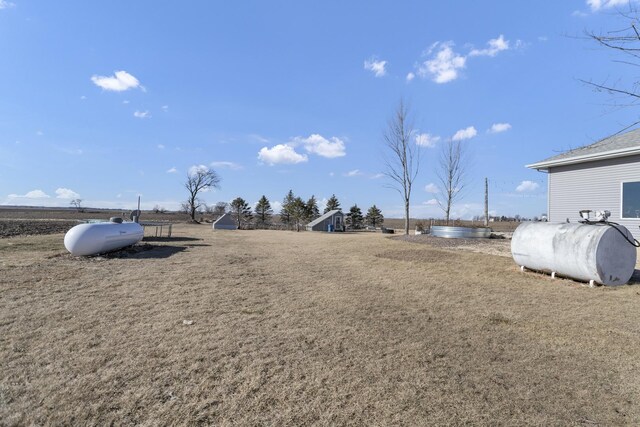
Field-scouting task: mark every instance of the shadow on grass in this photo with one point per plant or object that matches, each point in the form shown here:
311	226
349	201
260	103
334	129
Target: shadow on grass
635	278
146	251
170	239
157	252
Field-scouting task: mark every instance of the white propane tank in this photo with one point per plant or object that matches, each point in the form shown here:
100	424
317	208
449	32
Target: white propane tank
96	238
583	252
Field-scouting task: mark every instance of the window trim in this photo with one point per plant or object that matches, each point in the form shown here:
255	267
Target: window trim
622	199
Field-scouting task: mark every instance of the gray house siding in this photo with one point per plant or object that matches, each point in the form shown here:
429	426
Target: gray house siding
593	185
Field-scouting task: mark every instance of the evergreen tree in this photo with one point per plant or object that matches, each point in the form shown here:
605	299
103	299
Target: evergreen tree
285	215
297	212
332	204
241	211
312	209
263	212
354	217
374	217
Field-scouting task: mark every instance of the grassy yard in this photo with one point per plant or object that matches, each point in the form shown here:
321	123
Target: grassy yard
285	328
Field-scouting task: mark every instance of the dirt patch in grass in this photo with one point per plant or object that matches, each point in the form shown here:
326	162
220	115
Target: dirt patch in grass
16	227
496	246
285	328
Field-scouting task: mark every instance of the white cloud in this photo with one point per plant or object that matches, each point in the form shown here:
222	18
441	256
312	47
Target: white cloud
322	204
259	138
527	186
410	77
444	65
83	97
376	66
165	108
197	168
5	4
226	165
141	114
126	101
332	173
281	154
66	193
33	194
431	188
314	144
427	140
119	82
431	202
317	144
276	206
495	46
377	176
463	134
160	146
597	5
172	170
543	38
467	210
499	127
355	172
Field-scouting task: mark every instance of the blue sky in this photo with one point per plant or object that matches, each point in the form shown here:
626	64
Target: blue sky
105	101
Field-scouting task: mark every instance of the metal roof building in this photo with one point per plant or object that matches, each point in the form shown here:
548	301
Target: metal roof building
600	176
225	222
334	218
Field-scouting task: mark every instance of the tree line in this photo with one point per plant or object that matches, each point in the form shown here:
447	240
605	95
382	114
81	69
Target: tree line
295	213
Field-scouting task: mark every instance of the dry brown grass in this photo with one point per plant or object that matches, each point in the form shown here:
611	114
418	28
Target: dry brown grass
307	328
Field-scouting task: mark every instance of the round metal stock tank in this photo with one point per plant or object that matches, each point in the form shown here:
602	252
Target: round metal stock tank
460	232
579	251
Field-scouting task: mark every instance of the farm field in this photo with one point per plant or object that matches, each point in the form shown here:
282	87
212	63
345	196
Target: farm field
283	328
24	216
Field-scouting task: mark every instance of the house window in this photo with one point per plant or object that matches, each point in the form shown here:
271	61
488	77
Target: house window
631	199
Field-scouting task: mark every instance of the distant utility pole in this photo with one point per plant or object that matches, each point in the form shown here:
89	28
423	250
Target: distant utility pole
486	202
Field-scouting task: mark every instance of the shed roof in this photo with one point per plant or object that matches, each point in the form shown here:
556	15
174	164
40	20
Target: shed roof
225	220
621	145
323	217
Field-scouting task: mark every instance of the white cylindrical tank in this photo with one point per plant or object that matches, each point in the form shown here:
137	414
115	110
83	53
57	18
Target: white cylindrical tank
96	238
584	252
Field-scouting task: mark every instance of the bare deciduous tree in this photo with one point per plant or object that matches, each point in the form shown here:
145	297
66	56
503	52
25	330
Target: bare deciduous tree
199	179
403	159
451	175
220	209
626	41
77	203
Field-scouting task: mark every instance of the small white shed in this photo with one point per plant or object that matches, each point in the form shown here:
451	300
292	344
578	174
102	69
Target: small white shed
225	222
